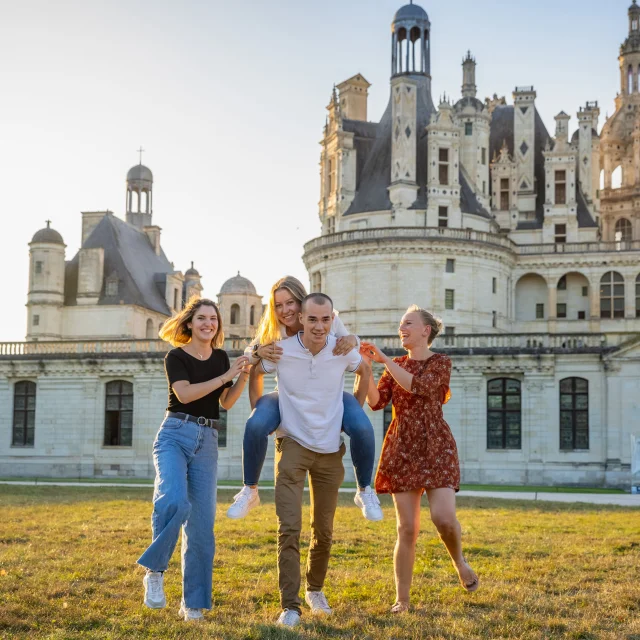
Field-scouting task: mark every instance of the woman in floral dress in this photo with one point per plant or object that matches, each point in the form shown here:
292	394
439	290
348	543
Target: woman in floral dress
419	453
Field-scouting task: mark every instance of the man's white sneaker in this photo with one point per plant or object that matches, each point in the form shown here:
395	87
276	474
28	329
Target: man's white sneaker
154	597
190	615
368	502
289	618
318	603
243	502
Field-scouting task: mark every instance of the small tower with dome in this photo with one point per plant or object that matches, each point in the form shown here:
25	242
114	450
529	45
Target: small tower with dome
192	286
241	307
139	196
46	285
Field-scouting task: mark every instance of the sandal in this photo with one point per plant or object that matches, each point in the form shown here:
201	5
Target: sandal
475	582
400	607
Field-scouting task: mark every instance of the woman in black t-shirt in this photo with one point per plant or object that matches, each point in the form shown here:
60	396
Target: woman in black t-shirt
185	454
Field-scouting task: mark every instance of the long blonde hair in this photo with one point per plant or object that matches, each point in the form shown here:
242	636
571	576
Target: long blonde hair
269	328
176	332
429	320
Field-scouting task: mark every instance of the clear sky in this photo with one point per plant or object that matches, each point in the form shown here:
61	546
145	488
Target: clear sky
228	99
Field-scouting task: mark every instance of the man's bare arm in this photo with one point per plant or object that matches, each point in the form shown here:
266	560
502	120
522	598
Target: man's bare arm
361	383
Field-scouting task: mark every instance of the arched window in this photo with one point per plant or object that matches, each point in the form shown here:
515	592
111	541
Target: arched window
252	315
638	296
612	295
630	79
24	414
574	414
504	417
149	332
623	231
222	429
118	415
160	327
235	314
616	177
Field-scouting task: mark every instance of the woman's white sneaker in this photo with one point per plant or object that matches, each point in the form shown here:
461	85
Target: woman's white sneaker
154	597
243	502
318	603
288	618
190	615
369	504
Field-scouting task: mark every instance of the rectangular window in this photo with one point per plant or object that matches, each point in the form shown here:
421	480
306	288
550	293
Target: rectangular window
111	287
387	417
561	233
222	429
331	224
449	331
561	187
504	194
449	298
585	292
38	268
118	418
484	155
561	310
574	414
451	265
36	320
316	282
503	414
494	319
175	299
484	188
331	182
24	414
540	311
581	315
494	285
468	128
443	216
443	168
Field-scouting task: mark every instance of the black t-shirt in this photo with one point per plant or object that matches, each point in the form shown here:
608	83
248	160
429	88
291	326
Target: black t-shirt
179	365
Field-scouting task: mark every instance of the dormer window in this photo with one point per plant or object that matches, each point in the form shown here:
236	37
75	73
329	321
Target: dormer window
468	128
111	286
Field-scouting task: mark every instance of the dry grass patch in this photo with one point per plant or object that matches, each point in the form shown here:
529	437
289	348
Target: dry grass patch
67	570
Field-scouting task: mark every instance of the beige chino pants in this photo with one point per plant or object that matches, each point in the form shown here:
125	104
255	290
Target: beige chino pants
326	473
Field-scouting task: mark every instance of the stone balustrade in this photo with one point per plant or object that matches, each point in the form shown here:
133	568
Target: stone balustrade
468	235
481	342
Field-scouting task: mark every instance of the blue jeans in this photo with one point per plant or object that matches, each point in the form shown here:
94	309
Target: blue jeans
265	419
185	456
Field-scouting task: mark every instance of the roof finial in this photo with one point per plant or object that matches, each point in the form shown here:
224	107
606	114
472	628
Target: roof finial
140	151
192	264
48	223
238	272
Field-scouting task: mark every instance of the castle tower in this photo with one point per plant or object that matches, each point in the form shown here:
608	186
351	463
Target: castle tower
410	69
46	285
588	167
240	306
630	54
524	133
192	285
474	119
139	196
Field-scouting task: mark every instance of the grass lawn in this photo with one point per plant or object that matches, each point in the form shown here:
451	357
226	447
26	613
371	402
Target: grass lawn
67	570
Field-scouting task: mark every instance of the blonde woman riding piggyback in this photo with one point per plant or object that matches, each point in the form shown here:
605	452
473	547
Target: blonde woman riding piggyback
280	320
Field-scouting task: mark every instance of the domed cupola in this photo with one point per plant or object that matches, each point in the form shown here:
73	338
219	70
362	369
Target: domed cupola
47	235
139	195
241	307
410	31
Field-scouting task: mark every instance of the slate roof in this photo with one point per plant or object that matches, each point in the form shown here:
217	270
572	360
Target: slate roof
128	254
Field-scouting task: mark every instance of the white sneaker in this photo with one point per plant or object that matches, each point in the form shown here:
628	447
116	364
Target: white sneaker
243	502
288	618
318	603
190	615
368	502
154	597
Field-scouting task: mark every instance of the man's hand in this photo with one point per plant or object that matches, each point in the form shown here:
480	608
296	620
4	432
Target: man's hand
344	345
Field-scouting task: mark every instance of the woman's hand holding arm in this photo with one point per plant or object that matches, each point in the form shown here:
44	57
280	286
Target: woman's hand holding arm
402	377
271	352
241	369
344	345
187	392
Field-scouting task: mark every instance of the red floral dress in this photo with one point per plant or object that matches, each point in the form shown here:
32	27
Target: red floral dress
419	450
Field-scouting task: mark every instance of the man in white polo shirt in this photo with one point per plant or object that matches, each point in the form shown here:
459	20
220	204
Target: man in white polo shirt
310	386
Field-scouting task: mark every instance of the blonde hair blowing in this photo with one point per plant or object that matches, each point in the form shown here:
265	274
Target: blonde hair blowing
176	332
269	328
429	320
